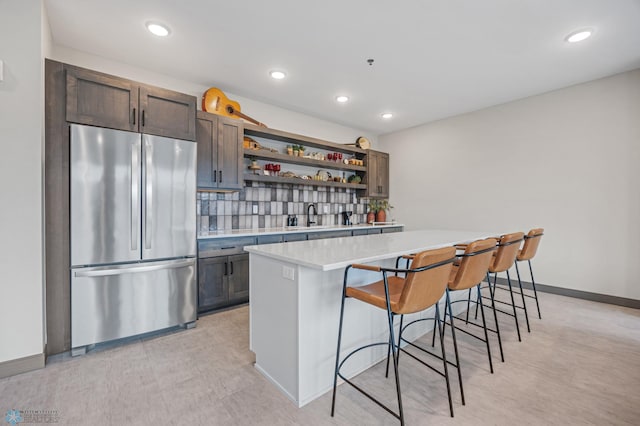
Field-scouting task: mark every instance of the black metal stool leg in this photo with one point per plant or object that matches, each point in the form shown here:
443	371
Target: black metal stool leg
400	336
455	343
524	304
484	325
444	359
466	320
475	317
493	289
535	293
495	317
513	304
386	374
335	375
435	327
394	351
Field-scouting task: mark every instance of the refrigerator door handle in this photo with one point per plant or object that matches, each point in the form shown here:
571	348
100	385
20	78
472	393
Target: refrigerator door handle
148	222
127	269
135	203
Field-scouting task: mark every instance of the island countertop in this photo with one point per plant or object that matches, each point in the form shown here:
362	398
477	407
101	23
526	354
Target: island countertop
338	253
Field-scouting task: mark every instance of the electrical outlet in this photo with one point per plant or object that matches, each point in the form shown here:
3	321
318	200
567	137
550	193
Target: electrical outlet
254	209
288	273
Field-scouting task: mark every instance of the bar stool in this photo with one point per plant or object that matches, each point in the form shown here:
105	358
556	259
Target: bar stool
503	259
469	272
422	286
529	250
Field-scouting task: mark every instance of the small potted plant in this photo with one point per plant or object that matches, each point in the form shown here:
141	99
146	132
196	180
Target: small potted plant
254	165
296	151
381	214
301	150
289	150
354	179
373	208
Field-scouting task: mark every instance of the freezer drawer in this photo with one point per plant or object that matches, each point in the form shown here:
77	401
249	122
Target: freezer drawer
120	301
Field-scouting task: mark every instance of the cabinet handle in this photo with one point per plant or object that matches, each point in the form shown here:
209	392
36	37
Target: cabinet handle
225	268
215	176
134	116
142	122
220	179
231	268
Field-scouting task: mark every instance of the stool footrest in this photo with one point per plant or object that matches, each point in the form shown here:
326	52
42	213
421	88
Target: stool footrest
468	332
506	303
365	393
424	363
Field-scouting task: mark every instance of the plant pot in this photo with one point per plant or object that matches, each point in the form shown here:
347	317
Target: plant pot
371	217
381	216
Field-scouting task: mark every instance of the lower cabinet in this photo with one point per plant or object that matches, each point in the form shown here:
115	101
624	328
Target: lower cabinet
213	289
329	234
222	281
238	278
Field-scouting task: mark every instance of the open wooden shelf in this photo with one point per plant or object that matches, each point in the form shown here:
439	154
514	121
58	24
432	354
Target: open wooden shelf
294	139
298	181
264	154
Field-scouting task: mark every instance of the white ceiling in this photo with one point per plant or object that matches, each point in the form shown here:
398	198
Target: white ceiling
433	59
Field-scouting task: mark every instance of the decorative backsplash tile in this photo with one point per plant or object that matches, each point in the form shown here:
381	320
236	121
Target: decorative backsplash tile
234	210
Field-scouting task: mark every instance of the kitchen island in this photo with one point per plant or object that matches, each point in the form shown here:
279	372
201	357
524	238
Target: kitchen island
295	292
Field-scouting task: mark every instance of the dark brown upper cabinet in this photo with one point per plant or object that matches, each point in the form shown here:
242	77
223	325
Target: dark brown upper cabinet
220	151
377	174
103	100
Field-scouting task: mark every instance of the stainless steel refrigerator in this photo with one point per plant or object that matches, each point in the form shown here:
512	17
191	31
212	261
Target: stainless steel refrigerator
133	234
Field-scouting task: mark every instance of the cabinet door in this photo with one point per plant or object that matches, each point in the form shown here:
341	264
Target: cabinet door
328	234
382	171
377	174
390	230
239	278
101	100
295	236
207	141
230	153
213	287
372	173
167	113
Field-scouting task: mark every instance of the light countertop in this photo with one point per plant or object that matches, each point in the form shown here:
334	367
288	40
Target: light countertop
291	230
336	253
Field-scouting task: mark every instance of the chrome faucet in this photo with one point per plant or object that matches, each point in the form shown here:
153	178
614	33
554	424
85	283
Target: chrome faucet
315	212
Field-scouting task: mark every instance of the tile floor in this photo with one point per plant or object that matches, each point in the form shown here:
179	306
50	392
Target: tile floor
579	365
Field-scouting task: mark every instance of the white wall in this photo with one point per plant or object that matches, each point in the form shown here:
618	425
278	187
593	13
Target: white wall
272	116
567	161
21	119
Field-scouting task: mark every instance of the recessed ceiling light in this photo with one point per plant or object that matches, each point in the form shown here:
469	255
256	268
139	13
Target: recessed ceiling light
387	115
158	29
342	99
577	36
278	75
